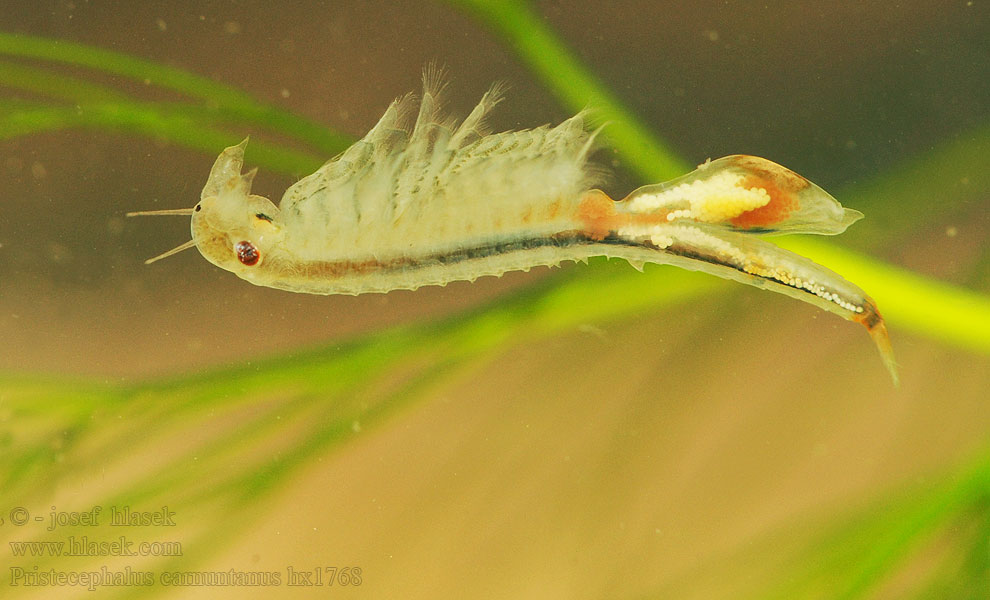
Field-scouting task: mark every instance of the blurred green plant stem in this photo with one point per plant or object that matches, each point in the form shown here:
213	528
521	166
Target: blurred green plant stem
328	394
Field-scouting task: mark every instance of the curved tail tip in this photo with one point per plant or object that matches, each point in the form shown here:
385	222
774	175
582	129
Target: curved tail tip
882	339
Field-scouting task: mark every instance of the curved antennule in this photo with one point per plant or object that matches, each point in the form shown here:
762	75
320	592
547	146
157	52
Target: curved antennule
176	250
182	212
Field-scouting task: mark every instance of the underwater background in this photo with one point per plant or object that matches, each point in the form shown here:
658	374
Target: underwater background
582	432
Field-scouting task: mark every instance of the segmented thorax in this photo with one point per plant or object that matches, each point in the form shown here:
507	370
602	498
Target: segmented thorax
437	186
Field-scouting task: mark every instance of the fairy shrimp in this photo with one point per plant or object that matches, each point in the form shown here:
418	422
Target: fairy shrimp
427	200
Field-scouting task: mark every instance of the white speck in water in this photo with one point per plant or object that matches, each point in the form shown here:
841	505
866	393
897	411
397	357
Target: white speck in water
232	27
161	24
284	93
951	231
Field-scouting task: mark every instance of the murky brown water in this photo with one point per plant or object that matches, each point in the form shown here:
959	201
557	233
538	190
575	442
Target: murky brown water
588	465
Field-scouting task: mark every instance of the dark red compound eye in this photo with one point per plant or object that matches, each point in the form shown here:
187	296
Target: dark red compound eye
247	253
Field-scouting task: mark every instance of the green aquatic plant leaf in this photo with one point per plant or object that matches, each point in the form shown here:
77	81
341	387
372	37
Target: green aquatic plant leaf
306	403
199	126
56	86
188	126
855	555
225	98
298	408
949	179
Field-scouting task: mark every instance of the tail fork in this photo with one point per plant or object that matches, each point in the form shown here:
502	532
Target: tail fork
874	323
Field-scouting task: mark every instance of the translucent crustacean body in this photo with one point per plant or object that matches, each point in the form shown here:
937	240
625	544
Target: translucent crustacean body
428	201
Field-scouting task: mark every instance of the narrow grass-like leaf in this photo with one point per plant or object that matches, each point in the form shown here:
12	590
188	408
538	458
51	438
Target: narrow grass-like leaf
181	124
216	94
56	86
860	552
